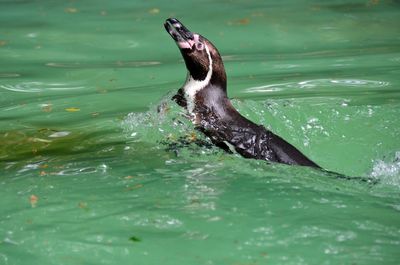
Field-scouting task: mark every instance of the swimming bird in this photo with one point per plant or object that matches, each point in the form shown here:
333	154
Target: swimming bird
204	96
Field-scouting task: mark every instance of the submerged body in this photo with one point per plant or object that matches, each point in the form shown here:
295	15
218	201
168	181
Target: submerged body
205	98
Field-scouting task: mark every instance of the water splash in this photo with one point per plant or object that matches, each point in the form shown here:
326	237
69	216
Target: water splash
313	128
165	120
167	126
388	172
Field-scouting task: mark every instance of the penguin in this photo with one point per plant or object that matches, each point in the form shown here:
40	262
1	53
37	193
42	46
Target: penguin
204	96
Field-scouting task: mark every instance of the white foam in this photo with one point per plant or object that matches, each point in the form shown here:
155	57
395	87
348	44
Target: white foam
389	172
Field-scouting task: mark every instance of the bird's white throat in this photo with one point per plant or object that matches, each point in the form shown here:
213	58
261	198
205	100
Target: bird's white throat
192	86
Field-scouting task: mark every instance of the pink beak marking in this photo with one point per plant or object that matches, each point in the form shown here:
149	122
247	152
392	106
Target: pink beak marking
189	43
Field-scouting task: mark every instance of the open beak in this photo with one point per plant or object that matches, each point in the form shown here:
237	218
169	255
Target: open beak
182	36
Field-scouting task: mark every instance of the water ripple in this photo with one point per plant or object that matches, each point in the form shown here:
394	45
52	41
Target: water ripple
8	75
102	168
120	64
35	87
309	84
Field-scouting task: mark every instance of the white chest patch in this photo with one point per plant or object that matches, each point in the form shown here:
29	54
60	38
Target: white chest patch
193	86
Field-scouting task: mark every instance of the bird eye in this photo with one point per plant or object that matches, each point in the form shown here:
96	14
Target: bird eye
199	46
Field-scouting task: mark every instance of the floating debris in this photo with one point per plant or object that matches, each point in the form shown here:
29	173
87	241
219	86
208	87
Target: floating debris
83	205
59	134
72	109
135	239
33	199
71	10
154	11
47	107
137	186
242	21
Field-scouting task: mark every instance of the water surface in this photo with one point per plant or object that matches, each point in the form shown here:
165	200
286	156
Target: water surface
92	173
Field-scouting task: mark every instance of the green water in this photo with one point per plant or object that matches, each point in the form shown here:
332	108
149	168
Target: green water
85	177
